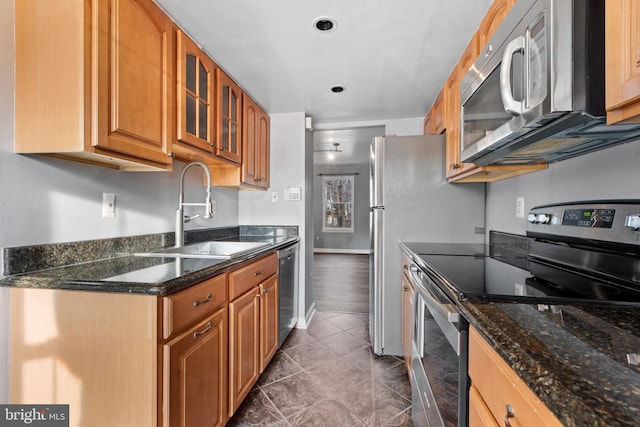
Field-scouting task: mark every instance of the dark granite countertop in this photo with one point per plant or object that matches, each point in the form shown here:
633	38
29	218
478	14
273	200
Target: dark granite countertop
125	273
573	356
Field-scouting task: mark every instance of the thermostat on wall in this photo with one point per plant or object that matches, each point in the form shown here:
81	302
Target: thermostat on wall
292	193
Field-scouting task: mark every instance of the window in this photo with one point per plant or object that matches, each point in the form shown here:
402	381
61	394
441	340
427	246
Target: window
337	202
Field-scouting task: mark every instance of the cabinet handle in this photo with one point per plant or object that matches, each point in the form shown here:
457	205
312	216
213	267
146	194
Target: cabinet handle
264	291
204	301
257	273
196	334
258	296
509	414
406	289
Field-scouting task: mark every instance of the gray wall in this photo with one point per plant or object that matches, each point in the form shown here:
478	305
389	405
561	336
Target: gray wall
357	241
610	173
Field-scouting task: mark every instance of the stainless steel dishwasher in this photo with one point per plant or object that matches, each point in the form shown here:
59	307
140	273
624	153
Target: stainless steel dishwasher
287	290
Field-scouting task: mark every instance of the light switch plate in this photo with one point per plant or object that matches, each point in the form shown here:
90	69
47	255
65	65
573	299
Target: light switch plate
108	205
520	207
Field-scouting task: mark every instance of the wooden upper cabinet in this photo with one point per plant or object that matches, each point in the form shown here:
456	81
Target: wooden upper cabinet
229	121
622	54
492	20
255	140
195	99
434	121
97	89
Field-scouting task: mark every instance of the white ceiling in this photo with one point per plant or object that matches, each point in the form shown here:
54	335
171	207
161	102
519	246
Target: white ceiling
392	56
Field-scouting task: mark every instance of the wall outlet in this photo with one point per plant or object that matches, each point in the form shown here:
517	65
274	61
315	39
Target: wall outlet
520	207
274	196
108	205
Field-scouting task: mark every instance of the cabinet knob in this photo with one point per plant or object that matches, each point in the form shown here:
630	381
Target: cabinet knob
172	155
264	291
258	295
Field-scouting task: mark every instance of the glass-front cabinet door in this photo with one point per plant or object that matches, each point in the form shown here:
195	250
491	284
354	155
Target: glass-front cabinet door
229	119
196	95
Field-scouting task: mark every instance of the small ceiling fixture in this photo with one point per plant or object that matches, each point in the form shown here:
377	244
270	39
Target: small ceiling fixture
325	24
337	89
330	150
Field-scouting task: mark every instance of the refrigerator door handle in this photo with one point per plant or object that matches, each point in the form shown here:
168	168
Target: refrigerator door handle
375	207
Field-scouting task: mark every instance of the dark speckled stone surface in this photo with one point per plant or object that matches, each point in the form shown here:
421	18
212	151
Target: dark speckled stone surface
110	268
574	357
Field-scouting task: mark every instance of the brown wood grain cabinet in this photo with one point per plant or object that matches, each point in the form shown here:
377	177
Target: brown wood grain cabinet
229	120
434	121
195	101
198	374
622	56
253	173
253	333
497	392
255	144
97	89
195	362
407	315
492	20
268	320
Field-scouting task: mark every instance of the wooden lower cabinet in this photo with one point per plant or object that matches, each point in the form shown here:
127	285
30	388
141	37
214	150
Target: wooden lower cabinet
498	393
197	366
253	338
244	346
268	321
407	321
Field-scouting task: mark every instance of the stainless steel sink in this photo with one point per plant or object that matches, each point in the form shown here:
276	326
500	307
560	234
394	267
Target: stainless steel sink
212	250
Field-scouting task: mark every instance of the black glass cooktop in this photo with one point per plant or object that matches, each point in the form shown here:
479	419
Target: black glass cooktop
467	272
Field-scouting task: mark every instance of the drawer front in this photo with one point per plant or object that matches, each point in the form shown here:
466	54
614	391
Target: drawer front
245	278
181	310
500	386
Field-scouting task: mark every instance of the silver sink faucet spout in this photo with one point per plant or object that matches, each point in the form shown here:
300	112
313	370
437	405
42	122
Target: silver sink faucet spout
180	217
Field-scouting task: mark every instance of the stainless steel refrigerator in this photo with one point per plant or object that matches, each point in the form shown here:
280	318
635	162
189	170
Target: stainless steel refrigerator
411	201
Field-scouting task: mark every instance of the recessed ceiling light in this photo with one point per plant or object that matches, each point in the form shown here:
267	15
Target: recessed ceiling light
337	89
325	24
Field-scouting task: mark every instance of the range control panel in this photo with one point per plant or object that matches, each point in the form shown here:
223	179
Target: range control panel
611	221
602	218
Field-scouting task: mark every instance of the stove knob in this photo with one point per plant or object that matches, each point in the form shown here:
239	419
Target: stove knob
543	219
532	218
632	221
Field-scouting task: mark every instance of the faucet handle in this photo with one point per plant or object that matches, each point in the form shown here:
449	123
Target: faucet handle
188	218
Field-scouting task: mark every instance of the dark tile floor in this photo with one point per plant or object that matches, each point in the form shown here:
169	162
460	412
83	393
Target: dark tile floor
327	375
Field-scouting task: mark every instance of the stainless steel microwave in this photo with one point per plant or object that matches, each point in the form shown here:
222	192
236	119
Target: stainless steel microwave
536	91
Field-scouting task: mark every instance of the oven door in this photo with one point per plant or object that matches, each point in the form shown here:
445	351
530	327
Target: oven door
439	369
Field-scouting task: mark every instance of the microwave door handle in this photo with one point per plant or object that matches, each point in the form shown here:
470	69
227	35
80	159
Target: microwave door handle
510	105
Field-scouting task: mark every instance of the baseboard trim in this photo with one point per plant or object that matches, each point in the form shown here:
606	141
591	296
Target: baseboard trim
342	251
303	323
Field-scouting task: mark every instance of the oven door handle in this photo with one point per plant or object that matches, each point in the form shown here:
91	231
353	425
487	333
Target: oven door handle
448	311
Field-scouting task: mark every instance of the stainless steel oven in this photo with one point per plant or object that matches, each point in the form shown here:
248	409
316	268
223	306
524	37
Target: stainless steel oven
439	356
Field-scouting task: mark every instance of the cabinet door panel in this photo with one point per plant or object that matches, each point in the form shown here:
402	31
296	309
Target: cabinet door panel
195	78
134	75
229	119
198	375
622	51
268	320
244	346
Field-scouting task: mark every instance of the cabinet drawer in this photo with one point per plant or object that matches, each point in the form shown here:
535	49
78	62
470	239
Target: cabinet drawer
500	386
183	309
245	278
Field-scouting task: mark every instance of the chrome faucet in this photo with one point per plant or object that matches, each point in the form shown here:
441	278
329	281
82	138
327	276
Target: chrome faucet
181	218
